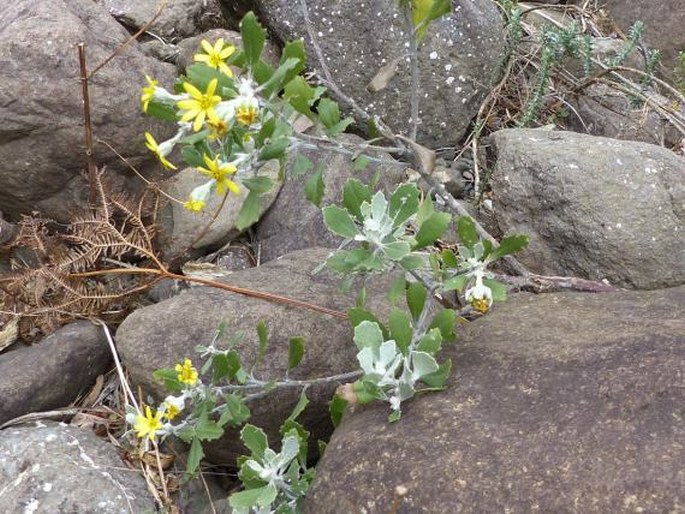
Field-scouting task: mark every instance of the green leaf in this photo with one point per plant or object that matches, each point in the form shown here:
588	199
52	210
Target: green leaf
200	75
301	165
161	111
424	363
412	262
438	378
259	185
295	351
368	334
267	130
444	321
235	411
466	228
400	329
360	301
432	228
253	36
457	282
339	127
397	289
361	163
275	82
337	408
355	193
263	335
299	94
194	456
255	440
314	187
261	71
274	149
396	250
425	211
250	211
403	204
510	245
248	498
192	156
301	405
294	49
416	299
208	430
355	316
431	342
449	259
169	377
394	416
499	290
329	112
339	222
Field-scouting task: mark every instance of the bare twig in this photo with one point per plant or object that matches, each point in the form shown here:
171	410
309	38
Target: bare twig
547	284
90	161
414	65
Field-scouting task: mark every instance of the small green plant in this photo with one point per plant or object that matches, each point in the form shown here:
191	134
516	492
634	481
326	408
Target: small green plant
679	72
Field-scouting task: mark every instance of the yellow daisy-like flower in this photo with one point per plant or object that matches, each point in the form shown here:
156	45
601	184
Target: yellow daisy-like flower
200	105
194	205
220	172
217	130
147	426
171	411
481	305
148	92
246	115
215	56
187	374
159	152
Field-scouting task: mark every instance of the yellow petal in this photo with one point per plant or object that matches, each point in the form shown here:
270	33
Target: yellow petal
212	87
206	46
192	90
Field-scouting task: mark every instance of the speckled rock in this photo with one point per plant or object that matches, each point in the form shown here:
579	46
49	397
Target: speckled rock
59	468
69	361
163	334
293	222
458	58
593	207
557	403
42	147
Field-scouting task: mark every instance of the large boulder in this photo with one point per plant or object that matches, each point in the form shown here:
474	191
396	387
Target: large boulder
42	150
70	360
163	334
562	402
457	59
593	207
54	467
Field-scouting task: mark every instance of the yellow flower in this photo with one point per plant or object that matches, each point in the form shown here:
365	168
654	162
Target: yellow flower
194	205
148	92
215	56
171	411
147	425
246	115
481	305
160	151
220	172
187	374
217	130
200	106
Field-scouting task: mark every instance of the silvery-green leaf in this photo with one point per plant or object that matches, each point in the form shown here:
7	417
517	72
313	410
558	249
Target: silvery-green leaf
268	495
339	222
289	450
254	439
404	203
499	290
387	352
431	342
396	250
368	334
366	360
424	364
378	205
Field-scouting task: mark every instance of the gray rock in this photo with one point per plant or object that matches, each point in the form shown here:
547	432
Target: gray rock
593	207
68	361
458	59
293	222
59	468
41	141
180	229
163	334
557	403
179	18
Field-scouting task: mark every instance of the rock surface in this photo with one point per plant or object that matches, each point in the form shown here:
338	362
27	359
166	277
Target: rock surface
593	207
41	141
181	229
69	361
178	19
293	222
163	334
59	468
557	403
457	59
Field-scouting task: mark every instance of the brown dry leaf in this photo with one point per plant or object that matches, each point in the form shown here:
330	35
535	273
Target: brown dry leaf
9	333
425	157
165	459
93	395
381	80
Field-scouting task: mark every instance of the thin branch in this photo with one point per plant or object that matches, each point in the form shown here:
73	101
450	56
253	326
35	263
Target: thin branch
90	161
414	65
315	43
